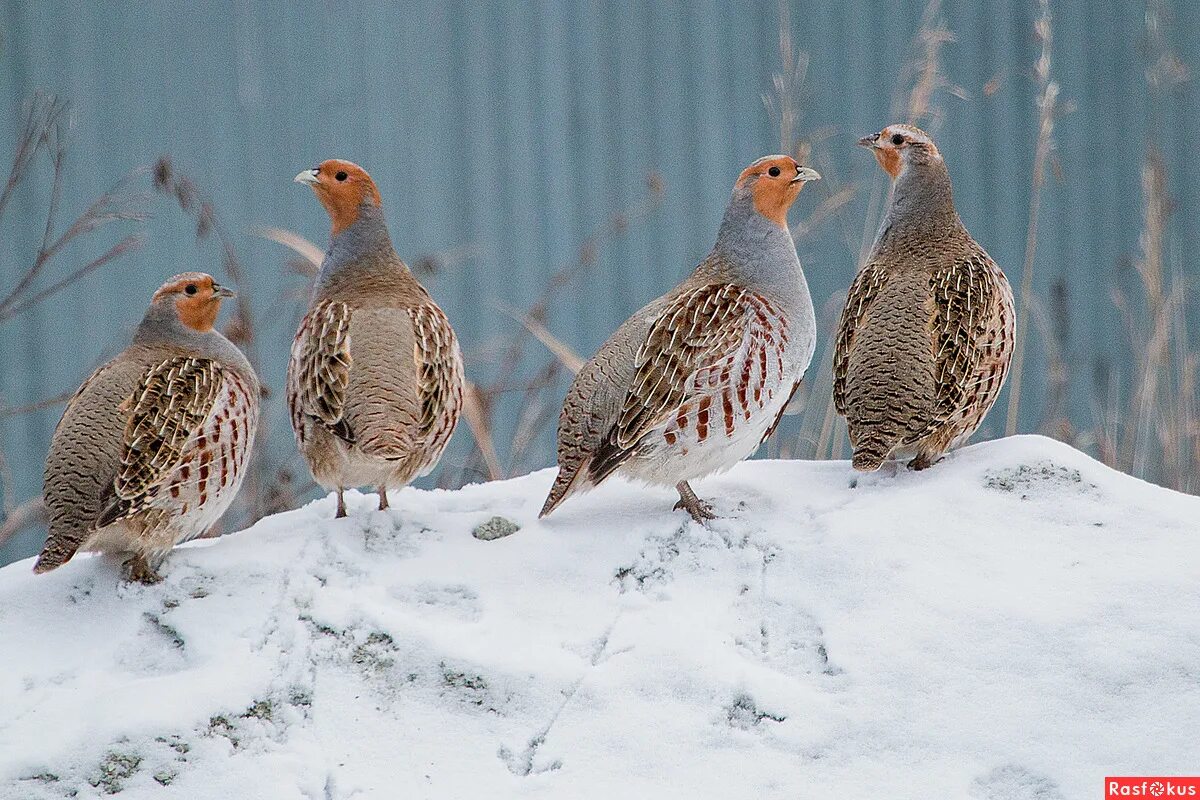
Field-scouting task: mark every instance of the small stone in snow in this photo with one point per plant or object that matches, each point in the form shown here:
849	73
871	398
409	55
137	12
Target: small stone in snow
495	528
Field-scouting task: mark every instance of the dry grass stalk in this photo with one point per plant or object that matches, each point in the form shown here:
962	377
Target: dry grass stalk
29	514
310	255
480	424
1047	104
561	350
46	130
538	411
1159	426
1146	421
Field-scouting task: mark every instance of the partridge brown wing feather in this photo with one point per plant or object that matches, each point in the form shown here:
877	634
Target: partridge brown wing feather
319	370
972	330
440	378
172	402
698	329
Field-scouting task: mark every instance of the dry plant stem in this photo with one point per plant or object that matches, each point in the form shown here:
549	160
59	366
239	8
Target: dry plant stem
536	414
27	515
1152	430
782	101
49	402
614	226
1054	419
43	113
1047	101
561	350
310	254
479	408
45	129
480	424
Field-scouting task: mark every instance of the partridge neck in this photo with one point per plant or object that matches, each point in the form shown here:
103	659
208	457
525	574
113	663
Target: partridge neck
922	201
359	241
160	329
755	251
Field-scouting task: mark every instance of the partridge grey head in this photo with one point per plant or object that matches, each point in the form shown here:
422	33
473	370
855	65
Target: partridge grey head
695	381
153	447
375	379
927	333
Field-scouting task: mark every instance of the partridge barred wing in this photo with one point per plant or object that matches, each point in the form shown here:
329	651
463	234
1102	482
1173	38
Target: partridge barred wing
169	407
863	292
697	332
319	369
972	329
439	375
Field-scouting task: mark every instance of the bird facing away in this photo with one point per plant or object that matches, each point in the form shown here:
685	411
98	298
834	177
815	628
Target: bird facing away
375	380
699	378
927	333
153	447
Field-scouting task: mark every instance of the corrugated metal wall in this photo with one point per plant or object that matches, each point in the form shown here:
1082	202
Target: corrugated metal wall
516	129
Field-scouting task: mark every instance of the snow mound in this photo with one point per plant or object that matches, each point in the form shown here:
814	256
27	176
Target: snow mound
1017	622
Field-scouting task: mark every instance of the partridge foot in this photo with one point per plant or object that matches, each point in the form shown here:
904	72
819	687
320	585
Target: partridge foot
139	571
700	510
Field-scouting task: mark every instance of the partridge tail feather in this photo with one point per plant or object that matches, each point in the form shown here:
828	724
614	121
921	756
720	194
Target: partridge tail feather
566	483
54	555
45	564
869	457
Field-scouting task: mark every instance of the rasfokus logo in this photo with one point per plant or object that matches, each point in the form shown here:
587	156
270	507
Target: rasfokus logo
1156	786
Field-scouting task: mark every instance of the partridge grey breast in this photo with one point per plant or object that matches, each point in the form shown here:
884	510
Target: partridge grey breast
693	382
926	336
375	379
153	447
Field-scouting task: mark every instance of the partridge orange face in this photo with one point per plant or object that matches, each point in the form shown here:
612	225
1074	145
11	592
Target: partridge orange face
197	299
774	182
896	145
342	187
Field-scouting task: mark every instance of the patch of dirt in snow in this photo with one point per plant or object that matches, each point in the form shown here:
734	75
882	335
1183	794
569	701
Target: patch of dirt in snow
1028	480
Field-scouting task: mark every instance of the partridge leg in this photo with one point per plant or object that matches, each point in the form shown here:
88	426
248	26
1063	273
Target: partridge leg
341	511
383	503
923	460
140	571
700	510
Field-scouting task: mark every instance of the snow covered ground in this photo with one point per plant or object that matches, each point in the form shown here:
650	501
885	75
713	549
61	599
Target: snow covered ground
1017	622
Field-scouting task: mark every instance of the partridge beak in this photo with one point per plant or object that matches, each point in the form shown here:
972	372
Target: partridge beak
866	141
222	291
804	174
308	176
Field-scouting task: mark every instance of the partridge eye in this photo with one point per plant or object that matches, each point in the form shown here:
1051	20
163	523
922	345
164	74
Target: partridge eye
191	288
773	172
341	176
897	139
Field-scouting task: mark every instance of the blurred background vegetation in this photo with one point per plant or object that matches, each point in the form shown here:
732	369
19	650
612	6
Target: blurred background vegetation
549	167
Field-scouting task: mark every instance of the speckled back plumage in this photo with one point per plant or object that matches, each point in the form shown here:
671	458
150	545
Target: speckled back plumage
375	379
927	332
153	447
694	381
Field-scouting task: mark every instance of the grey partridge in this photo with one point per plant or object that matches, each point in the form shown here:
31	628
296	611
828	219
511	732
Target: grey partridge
699	378
927	333
375	379
153	447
